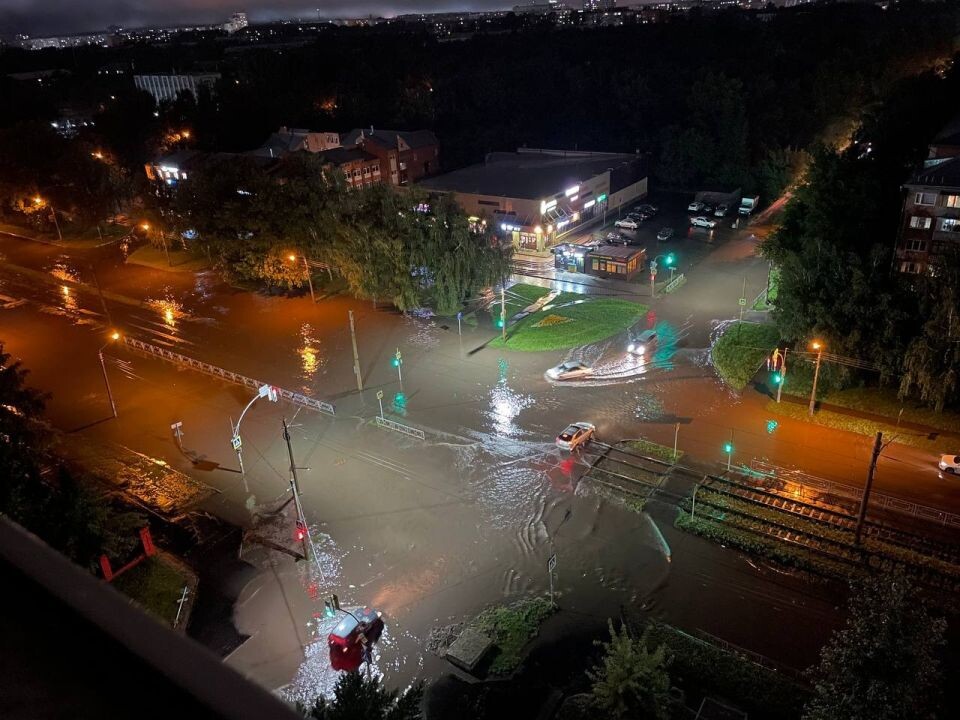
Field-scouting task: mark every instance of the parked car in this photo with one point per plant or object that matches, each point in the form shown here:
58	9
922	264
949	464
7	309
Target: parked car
950	464
351	635
647	208
635	216
701	221
575	435
721	211
695	206
707	209
627	224
615	238
569	370
643	344
665	234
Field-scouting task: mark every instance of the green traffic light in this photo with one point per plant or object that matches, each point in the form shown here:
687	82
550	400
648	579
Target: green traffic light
400	400
728	448
777	378
395	362
499	323
669	259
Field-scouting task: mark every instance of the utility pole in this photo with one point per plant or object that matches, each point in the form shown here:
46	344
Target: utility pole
783	374
56	222
295	489
503	313
676	436
816	376
106	381
103	302
356	357
866	491
306	268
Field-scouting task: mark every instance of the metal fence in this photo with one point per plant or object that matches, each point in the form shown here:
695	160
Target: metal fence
804	482
228	375
400	428
675	283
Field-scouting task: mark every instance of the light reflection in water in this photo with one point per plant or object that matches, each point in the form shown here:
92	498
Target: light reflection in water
505	406
311	355
169	310
62	271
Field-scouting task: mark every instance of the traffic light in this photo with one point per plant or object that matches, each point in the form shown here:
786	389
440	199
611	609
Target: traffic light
499	323
328	609
400	400
771	426
301	532
395	362
669	259
777	378
728	447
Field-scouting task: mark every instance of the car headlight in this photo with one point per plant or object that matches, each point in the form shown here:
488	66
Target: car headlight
630	347
641	350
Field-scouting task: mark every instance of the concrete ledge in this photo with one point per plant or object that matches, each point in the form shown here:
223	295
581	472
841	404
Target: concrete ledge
468	650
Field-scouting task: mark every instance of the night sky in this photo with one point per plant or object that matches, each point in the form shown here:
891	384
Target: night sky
44	17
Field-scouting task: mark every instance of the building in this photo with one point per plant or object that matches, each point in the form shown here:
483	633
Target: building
931	215
288	140
541	8
931	207
537	197
165	88
615	261
405	155
237	21
599	4
360	168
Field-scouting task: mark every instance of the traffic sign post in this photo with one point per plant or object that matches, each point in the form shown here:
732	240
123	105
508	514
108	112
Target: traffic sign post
397	363
177	428
380	400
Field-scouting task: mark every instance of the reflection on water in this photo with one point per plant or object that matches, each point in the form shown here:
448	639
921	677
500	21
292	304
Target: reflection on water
169	310
505	406
68	297
310	351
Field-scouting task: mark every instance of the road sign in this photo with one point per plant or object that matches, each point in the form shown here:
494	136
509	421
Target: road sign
742	301
459	315
379	394
398	355
552	563
175	426
236	442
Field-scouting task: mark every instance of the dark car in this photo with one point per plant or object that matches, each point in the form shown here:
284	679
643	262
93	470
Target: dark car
351	636
615	238
665	234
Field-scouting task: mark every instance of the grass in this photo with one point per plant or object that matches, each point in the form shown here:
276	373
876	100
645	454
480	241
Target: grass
740	351
182	261
529	293
511	627
768	298
862	426
651	449
155	586
591	320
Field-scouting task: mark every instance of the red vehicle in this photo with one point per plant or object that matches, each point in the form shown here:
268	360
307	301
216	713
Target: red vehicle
352	636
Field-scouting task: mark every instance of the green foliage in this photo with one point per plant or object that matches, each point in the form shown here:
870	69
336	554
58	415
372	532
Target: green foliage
651	449
741	350
883	664
631	681
355	697
591	320
700	667
511	627
154	585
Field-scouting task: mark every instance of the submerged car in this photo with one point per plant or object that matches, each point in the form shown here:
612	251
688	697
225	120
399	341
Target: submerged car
575	435
352	636
569	370
643	344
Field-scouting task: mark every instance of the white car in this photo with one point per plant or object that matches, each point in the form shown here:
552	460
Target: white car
702	221
626	224
695	206
575	435
569	370
950	464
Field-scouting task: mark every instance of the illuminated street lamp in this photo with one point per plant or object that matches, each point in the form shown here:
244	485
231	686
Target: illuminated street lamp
38	201
306	268
114	336
818	346
145	226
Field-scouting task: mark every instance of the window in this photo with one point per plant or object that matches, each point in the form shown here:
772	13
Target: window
909	267
922	198
920	223
951	201
596	264
949	225
621	269
916	245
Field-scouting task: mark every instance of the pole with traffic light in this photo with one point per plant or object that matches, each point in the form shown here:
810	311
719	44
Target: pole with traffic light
818	346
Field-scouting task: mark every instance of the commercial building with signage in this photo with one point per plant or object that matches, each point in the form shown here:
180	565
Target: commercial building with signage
609	261
537	197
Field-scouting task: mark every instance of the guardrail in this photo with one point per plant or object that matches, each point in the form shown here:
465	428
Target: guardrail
400	428
877	500
228	375
675	283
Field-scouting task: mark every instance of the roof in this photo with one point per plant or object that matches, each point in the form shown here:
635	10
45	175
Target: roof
944	174
177	159
617	252
388	138
344	155
280	144
527	175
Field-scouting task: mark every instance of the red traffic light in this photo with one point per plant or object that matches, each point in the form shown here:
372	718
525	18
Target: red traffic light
301	531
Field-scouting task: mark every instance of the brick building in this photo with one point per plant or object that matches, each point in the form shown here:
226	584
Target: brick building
405	155
360	168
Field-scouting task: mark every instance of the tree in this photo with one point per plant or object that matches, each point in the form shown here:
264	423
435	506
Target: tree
356	697
883	664
631	681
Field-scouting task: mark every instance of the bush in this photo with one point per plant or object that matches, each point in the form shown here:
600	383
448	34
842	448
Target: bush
741	350
511	628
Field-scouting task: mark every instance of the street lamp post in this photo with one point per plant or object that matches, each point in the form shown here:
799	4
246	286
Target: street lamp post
163	240
306	269
818	346
38	201
103	367
668	260
266	391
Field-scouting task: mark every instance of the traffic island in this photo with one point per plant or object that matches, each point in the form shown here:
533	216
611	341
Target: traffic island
740	351
177	261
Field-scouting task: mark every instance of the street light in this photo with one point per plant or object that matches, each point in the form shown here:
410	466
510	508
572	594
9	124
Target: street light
668	260
114	336
818	346
267	391
306	268
38	201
